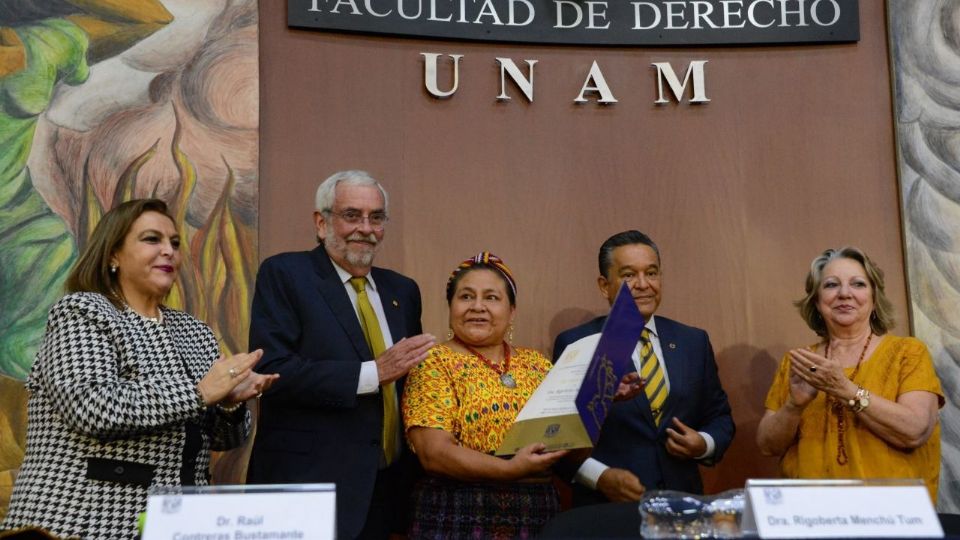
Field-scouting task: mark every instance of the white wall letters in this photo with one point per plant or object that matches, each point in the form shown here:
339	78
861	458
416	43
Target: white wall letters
594	85
430	74
525	84
665	71
599	86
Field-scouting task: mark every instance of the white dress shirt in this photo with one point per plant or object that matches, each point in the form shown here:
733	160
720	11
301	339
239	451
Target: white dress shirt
369	382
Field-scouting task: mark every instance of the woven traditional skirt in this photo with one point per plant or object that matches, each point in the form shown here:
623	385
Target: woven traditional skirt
450	509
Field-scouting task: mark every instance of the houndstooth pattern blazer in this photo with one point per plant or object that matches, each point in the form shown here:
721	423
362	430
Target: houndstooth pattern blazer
111	395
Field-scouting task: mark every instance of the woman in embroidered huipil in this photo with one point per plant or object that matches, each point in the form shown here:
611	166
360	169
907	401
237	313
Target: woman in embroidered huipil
860	403
458	405
125	393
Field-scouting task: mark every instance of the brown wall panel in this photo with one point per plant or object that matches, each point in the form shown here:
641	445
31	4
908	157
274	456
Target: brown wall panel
793	154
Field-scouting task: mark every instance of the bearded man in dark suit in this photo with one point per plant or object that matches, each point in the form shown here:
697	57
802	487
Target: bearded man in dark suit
681	419
342	333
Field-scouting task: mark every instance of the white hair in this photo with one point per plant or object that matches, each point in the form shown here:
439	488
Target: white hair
327	191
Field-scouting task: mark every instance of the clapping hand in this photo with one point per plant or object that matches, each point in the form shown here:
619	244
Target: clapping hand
396	361
254	385
810	373
228	373
801	392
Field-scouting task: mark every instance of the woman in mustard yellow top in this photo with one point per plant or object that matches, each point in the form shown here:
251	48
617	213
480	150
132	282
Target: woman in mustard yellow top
860	403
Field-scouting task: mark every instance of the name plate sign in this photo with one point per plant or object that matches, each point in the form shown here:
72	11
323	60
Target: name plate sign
839	509
301	511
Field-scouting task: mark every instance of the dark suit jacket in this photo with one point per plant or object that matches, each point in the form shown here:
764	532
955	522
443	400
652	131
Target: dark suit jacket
629	438
313	425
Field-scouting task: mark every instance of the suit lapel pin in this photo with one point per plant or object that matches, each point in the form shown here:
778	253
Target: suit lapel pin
396	304
673	345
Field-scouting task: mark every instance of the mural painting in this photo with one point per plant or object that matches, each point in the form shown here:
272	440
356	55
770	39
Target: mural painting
925	42
104	101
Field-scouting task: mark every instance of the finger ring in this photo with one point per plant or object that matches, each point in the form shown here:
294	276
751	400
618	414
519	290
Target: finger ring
232	372
813	369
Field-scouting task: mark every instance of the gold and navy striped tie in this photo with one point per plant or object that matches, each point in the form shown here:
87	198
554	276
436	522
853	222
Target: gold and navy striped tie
656	384
374	337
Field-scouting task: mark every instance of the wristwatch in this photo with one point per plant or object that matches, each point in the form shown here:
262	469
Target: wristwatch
860	401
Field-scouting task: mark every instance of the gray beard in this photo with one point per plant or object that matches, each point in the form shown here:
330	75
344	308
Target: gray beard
363	260
338	245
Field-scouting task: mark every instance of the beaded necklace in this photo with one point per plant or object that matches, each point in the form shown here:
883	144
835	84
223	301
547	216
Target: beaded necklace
155	320
836	405
502	369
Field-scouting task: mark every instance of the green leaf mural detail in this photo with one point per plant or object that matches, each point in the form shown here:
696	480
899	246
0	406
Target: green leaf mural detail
36	247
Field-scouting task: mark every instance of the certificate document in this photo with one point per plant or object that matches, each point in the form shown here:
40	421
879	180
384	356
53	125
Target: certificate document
568	408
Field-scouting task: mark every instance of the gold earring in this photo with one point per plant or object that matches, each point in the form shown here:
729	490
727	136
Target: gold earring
449	334
510	334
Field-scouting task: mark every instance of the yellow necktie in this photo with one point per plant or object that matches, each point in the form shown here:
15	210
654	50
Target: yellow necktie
374	337
656	384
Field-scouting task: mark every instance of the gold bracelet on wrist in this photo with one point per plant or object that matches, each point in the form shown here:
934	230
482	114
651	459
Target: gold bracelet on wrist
860	401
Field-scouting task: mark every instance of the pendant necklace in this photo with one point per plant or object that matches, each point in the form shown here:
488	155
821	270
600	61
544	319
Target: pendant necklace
836	405
502	369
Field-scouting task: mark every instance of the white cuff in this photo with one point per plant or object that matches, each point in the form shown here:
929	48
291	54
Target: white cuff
589	473
369	382
711	445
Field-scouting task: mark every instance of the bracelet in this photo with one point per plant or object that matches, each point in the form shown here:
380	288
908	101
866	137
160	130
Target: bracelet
200	403
229	408
860	401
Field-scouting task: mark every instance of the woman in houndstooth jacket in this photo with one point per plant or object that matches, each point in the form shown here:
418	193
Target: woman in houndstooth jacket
125	393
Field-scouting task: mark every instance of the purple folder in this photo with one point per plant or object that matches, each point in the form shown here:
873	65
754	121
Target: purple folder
611	361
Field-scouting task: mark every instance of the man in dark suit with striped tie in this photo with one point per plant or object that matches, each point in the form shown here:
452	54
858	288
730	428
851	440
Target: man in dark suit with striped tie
681	419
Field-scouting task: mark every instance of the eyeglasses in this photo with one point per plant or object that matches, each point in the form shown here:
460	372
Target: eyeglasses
355	217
